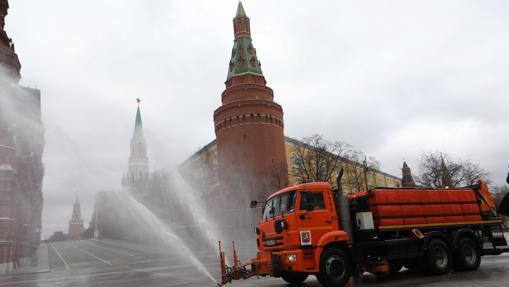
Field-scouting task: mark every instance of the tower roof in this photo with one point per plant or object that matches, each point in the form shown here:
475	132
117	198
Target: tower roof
243	59
240	10
138	125
408	179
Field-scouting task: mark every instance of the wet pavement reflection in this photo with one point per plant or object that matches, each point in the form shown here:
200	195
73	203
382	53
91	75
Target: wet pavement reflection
95	263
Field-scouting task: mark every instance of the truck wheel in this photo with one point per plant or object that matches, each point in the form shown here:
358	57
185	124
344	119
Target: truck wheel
335	268
294	278
467	256
438	257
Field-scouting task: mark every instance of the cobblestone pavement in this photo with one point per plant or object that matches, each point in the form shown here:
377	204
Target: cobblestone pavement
95	263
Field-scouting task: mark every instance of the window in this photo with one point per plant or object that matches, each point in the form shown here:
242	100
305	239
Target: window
295	159
267	210
313	198
279	205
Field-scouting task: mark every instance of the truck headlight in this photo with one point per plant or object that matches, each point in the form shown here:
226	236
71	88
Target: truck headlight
291	257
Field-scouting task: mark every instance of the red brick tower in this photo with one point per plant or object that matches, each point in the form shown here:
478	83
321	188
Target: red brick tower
249	124
76	227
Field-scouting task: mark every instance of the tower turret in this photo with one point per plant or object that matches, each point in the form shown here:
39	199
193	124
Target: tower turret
138	165
241	25
76	226
249	124
408	179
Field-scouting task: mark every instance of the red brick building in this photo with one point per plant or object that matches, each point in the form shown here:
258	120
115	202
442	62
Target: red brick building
21	168
249	124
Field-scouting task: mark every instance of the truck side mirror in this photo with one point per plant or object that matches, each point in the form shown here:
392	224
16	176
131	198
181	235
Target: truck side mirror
253	204
309	207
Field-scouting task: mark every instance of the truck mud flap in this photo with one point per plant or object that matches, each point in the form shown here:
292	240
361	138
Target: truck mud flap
503	207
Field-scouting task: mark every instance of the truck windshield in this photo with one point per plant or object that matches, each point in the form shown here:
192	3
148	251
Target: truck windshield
279	205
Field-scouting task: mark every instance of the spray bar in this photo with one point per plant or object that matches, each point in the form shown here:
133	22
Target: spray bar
238	271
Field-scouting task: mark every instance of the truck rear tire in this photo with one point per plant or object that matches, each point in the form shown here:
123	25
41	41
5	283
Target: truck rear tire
467	257
294	278
438	258
335	268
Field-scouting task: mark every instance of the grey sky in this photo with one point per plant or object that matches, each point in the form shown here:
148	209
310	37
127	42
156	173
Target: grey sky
393	78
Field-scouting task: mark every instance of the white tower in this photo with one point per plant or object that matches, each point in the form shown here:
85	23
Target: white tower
138	168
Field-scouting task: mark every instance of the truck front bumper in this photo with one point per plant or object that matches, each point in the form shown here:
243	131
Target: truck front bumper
295	260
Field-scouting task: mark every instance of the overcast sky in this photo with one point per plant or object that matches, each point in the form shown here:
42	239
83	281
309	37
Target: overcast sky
393	78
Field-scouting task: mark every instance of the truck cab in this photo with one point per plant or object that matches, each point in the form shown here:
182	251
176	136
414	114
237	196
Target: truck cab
297	223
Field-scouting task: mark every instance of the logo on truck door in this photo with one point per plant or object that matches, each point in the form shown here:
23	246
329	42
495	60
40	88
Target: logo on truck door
305	238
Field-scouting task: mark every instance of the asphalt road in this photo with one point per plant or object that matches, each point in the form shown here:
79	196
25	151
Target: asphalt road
93	263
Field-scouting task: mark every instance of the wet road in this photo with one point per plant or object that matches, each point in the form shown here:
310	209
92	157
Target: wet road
93	263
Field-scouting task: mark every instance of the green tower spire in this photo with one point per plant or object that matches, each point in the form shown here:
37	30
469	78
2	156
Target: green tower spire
243	59
138	126
240	10
138	123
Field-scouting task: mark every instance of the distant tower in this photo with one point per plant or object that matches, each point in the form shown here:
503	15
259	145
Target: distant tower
8	58
76	226
249	124
138	168
408	179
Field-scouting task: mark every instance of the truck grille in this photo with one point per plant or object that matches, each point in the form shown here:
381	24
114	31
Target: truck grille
274	241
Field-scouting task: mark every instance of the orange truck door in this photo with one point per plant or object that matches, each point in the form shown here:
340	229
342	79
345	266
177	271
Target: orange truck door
315	216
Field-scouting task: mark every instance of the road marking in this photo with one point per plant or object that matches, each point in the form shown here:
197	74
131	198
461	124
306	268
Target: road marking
61	258
114	250
61	282
90	254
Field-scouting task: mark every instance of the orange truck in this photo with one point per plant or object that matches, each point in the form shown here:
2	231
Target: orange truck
313	229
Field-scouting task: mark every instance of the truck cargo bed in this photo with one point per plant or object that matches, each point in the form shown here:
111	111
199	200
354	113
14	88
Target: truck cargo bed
421	207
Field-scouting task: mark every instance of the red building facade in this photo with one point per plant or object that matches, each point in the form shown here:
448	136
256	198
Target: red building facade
249	124
21	168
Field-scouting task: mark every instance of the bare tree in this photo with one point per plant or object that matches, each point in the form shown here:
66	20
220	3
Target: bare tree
472	173
358	170
439	170
318	159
